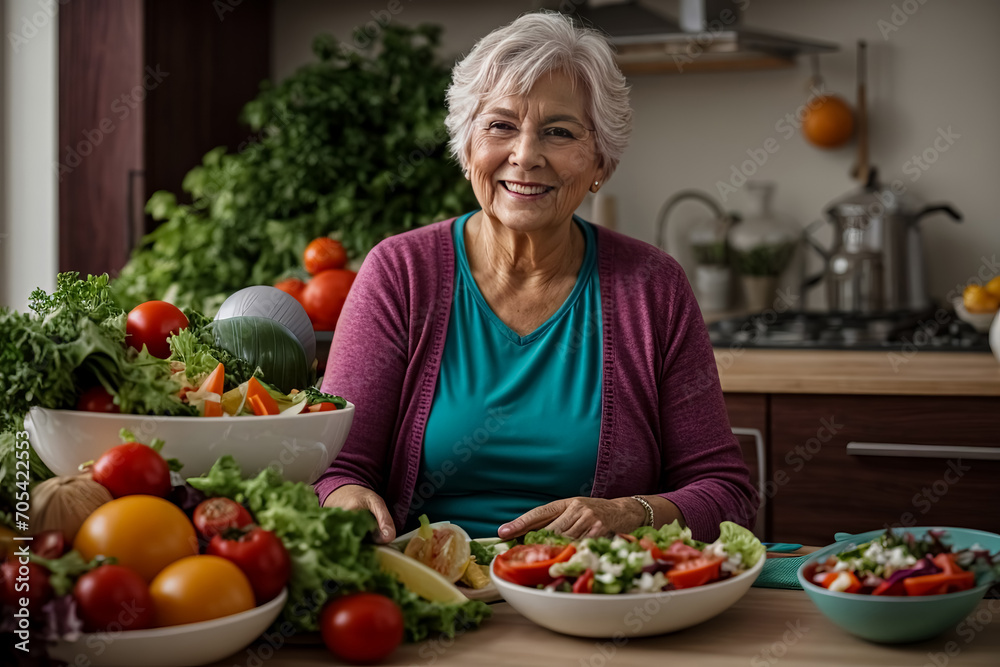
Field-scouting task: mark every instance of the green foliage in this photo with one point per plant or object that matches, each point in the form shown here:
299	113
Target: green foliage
352	146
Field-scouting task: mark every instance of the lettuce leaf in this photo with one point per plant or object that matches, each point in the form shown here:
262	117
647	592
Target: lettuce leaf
545	536
329	552
667	535
738	540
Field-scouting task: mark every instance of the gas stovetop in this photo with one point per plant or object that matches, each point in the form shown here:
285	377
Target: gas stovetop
932	329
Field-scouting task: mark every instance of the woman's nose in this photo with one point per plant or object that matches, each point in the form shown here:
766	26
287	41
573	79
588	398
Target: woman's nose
526	152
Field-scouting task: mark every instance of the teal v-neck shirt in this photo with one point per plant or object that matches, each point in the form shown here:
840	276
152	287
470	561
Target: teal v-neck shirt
515	420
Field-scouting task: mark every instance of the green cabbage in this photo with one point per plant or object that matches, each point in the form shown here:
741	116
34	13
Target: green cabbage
269	346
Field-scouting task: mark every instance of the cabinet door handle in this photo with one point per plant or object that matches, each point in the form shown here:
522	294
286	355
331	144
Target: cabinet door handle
923	451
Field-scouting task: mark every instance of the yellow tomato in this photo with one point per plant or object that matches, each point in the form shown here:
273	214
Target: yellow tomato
993	287
199	588
977	300
144	533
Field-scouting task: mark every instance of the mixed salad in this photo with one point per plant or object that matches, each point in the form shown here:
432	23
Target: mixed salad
78	349
905	564
645	561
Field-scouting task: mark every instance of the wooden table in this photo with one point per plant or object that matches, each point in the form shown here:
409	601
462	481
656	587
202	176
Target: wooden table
765	628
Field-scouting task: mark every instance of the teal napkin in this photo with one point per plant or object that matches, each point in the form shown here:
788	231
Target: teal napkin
780	573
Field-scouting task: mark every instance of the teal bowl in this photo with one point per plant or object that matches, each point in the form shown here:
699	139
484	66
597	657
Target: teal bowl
895	620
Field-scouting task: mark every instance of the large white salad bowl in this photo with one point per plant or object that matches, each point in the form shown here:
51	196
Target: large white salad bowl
299	446
176	645
628	614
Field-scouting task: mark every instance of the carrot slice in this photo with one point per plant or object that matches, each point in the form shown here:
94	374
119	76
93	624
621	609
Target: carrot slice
261	402
216	380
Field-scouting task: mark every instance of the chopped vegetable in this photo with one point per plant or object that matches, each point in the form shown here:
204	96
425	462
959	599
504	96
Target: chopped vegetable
903	564
330	556
260	400
648	560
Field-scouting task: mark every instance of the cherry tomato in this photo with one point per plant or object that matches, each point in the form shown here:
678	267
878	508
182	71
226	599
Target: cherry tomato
29	581
362	628
113	597
97	399
151	324
323	254
48	544
144	533
199	588
261	556
324	297
292	286
215	515
528	564
133	468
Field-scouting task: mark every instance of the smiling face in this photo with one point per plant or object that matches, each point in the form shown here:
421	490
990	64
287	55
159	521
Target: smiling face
532	157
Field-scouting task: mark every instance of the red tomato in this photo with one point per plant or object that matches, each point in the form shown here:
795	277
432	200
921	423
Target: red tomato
113	597
362	628
215	515
292	286
261	556
29	581
695	572
324	296
528	564
323	254
151	324
133	468
97	399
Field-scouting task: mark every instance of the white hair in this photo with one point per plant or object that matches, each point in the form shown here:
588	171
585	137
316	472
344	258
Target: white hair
509	61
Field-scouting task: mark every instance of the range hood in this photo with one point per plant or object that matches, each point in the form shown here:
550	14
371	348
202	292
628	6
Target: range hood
708	36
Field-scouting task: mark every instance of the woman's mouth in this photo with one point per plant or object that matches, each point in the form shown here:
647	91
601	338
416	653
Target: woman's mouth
525	190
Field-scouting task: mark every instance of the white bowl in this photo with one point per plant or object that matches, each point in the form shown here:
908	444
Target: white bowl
628	614
980	321
301	446
175	646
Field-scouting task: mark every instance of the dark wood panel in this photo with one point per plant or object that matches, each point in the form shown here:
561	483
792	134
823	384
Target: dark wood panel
217	54
101	92
817	488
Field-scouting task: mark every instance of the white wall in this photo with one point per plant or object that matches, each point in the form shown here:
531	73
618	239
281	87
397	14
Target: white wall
938	70
29	207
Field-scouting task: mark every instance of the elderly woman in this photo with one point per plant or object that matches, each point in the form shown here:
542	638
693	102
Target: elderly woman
518	368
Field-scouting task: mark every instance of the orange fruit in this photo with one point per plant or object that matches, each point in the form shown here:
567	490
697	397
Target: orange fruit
977	300
199	588
144	533
829	121
993	286
323	254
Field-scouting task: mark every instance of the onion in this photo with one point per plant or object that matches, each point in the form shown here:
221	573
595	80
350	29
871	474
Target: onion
272	303
62	503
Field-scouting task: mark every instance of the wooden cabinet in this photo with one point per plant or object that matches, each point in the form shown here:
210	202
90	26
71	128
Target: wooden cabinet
858	463
146	88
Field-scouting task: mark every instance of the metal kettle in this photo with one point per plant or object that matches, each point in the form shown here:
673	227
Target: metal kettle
876	263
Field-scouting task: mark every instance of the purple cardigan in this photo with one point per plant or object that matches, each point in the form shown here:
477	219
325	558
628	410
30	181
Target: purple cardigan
664	425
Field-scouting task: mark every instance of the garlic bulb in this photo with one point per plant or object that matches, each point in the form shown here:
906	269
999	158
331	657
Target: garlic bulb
62	503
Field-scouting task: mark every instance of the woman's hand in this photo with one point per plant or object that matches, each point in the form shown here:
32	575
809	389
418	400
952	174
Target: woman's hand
579	517
356	497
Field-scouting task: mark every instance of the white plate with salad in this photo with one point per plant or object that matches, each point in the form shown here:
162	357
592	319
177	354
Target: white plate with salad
646	583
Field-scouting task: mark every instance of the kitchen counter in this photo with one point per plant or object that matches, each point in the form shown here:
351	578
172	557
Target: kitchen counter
844	372
764	628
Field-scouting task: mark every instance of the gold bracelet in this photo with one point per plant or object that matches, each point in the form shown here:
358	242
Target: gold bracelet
649	510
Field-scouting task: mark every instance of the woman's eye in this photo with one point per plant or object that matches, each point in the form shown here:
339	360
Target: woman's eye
500	125
559	132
